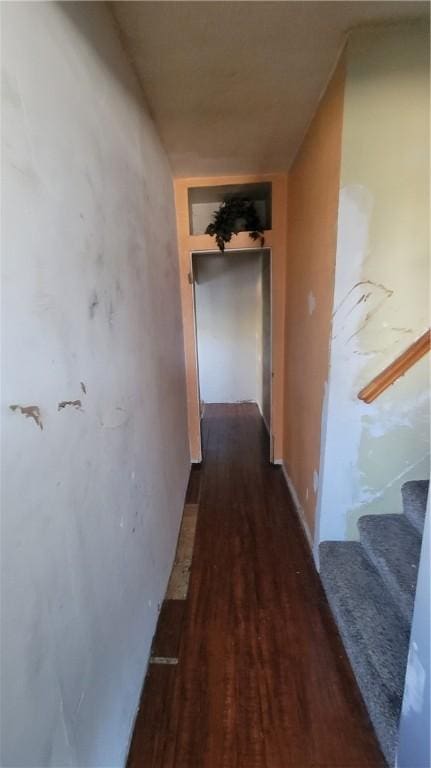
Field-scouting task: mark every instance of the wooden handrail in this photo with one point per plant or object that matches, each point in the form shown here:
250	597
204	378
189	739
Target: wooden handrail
398	368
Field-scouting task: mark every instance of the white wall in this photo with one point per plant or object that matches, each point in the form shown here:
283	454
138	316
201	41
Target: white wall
381	302
231	333
414	749
91	502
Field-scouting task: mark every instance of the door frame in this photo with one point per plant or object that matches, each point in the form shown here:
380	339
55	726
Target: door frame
267	252
276	241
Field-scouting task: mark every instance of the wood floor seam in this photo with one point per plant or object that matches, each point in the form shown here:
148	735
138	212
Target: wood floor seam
163	660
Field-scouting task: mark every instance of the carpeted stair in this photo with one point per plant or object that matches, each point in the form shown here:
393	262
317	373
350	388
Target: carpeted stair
370	587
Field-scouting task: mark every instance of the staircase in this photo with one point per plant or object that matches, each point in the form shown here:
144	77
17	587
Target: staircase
370	586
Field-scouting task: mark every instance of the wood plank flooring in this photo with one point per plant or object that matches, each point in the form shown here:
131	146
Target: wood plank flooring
262	680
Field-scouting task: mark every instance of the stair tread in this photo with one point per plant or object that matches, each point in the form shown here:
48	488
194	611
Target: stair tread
374	634
393	546
415	495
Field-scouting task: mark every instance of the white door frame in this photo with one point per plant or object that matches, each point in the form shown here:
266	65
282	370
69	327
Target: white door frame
254	249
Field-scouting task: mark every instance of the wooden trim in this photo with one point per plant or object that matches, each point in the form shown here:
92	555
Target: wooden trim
397	368
275	239
241	241
298	509
223	181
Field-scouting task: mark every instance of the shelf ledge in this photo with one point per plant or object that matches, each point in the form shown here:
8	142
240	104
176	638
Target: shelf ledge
241	241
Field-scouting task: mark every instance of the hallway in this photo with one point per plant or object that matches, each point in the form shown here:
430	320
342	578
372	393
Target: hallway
262	680
210	210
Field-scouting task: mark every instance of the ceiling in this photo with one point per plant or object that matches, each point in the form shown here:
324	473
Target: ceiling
232	86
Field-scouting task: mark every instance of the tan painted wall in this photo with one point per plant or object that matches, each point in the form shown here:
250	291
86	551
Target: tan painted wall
275	240
313	187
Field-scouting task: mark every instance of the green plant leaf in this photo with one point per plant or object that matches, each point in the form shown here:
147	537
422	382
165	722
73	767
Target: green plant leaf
225	221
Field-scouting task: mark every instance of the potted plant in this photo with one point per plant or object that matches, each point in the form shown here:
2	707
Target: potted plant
235	214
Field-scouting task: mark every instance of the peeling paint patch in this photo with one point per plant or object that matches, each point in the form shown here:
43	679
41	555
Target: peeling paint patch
388	291
311	303
369	316
74	403
30	412
315	480
349	317
378	420
368	495
363	298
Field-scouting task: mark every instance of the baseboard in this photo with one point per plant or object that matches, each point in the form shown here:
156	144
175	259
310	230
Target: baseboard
298	508
265	424
262	415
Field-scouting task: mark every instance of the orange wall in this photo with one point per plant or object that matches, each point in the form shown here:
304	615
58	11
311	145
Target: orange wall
313	187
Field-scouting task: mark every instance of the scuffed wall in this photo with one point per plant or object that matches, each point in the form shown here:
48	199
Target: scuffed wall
233	334
94	427
313	188
381	302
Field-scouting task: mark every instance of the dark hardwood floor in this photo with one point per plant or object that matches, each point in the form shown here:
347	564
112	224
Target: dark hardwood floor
262	680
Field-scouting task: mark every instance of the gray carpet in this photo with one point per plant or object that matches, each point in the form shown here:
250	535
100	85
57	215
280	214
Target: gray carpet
370	587
393	546
415	494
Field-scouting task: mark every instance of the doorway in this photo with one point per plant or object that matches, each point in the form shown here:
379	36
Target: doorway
232	296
